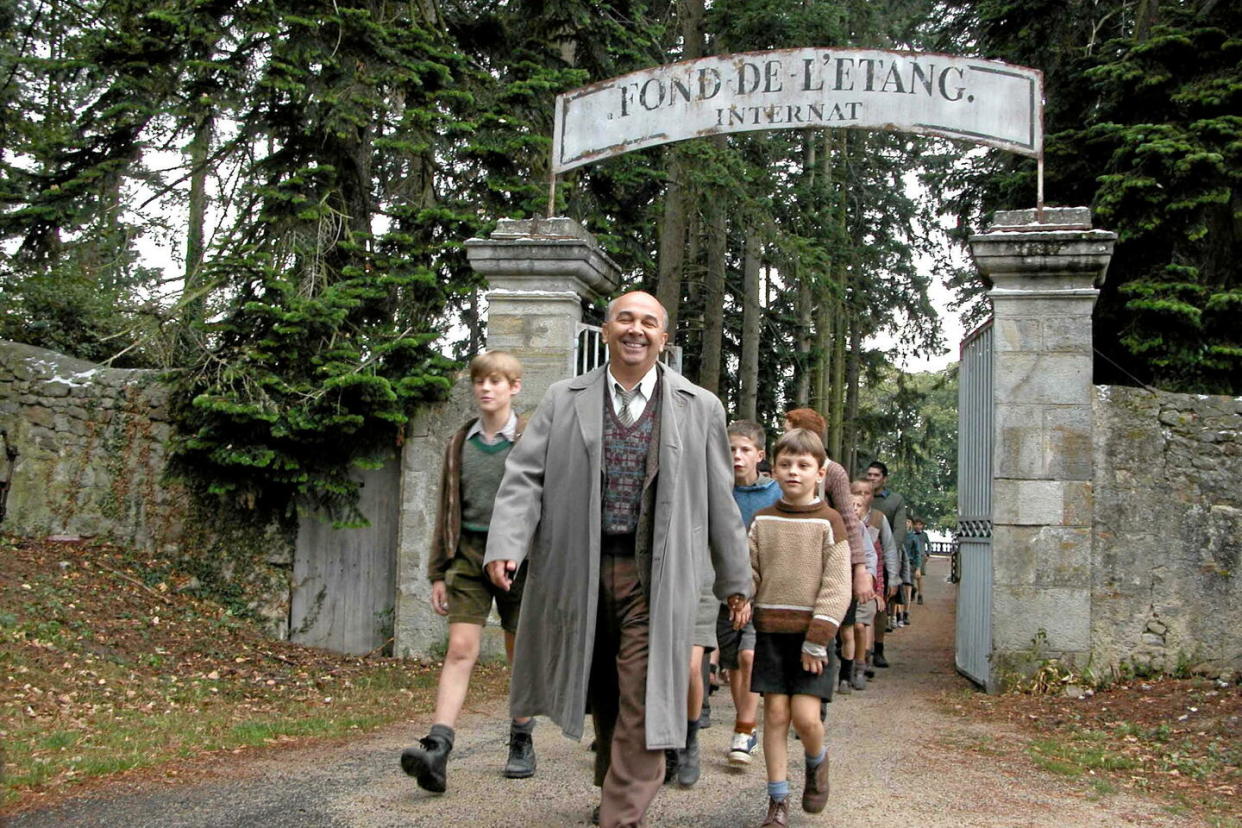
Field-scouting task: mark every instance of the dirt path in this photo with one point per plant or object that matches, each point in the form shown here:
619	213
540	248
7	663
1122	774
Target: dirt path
895	748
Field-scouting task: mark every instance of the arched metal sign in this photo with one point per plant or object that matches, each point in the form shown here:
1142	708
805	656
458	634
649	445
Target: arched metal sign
983	101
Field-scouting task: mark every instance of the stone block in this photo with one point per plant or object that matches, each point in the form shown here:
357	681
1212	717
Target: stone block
1069	333
1043	379
1042	502
1046	556
1059	218
1018	334
1020	613
1040	441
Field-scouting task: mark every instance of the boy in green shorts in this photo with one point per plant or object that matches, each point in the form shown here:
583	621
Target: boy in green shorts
474	463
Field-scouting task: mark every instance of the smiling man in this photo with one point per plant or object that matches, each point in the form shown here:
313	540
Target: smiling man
621	488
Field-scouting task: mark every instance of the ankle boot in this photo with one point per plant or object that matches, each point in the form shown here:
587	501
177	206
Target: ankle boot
427	761
521	764
688	758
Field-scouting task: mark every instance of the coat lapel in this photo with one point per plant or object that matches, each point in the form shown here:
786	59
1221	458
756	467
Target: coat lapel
672	423
589	398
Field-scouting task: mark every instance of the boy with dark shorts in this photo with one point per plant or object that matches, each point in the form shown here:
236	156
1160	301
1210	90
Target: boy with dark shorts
474	463
800	558
753	492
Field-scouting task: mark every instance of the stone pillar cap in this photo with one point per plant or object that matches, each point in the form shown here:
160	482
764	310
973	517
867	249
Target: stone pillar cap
1050	218
544	254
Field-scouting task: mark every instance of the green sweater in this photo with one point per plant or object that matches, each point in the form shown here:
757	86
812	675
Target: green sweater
482	467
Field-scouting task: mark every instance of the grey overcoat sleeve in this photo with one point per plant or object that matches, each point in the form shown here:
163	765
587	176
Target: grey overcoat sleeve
726	534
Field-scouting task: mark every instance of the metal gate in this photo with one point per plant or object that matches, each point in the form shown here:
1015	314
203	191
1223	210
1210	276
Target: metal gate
590	351
974	506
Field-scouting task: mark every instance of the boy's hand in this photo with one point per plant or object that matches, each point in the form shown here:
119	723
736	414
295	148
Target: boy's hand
864	586
439	598
739	612
812	664
501	573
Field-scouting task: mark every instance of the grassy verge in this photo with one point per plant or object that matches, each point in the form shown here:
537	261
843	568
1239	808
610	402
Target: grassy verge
1177	740
103	673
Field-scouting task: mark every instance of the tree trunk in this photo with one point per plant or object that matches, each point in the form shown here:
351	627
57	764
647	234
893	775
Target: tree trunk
836	394
853	364
672	243
748	398
713	296
196	218
676	202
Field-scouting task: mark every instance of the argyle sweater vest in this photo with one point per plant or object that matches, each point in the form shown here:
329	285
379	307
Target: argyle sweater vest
625	465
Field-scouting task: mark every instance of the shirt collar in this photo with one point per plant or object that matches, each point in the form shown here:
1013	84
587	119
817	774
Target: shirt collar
646	385
509	432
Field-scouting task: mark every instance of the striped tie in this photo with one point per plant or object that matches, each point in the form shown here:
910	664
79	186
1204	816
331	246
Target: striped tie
624	415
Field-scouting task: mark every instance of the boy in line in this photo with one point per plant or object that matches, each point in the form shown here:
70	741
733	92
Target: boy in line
800	558
916	550
753	492
474	463
855	633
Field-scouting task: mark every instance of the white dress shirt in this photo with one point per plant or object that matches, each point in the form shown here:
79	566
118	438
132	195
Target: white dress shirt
638	403
508	432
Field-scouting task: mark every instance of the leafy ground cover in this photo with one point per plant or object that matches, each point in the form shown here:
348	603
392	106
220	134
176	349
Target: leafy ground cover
1176	739
108	666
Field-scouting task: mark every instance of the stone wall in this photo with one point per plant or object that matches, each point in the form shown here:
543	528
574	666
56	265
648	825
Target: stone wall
91	463
1166	584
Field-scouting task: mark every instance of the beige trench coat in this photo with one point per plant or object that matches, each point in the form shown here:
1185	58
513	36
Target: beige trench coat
548	510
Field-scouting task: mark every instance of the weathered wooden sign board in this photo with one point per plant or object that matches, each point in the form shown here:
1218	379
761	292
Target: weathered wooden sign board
983	101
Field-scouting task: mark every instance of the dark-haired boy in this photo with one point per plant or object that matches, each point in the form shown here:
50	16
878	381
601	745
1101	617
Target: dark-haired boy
474	463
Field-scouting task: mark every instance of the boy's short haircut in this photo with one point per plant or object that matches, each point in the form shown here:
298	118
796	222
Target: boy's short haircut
876	464
800	441
495	362
750	430
861	486
809	419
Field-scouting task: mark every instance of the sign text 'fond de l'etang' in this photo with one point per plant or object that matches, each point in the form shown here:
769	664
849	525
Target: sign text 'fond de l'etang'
984	101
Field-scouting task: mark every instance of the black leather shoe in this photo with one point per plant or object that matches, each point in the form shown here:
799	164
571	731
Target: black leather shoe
521	764
427	762
879	660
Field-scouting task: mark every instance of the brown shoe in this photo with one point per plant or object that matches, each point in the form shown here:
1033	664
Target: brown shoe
815	794
778	812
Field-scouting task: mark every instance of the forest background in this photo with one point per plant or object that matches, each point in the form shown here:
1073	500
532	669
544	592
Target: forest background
315	167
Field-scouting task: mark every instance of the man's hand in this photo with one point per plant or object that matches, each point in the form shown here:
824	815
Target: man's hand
439	597
812	664
501	573
739	611
864	587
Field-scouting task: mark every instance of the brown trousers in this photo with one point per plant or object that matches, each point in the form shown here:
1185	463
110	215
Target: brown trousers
629	774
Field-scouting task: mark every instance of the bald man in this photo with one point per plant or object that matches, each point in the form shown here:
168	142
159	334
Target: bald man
620	496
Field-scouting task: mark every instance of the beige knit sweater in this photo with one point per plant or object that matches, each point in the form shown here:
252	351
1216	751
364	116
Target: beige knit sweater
800	558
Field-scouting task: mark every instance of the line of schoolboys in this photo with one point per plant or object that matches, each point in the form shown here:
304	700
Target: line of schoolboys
800	559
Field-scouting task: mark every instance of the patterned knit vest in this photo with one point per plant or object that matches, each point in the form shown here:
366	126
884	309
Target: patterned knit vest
625	465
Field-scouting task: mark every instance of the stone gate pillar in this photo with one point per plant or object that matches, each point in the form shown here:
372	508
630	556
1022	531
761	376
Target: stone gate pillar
541	272
1044	280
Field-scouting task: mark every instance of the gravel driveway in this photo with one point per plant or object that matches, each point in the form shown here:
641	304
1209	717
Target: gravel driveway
891	748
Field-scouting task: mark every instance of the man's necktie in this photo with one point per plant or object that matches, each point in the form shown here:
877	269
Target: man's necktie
627	397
